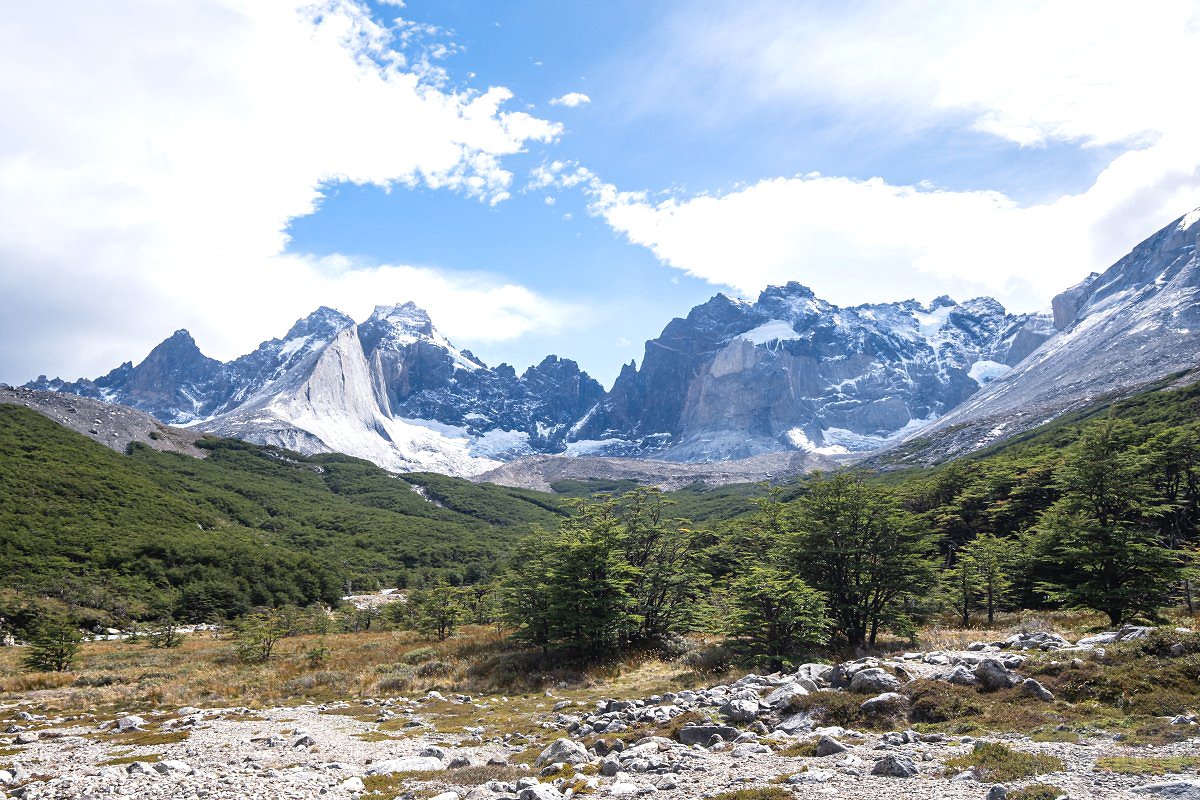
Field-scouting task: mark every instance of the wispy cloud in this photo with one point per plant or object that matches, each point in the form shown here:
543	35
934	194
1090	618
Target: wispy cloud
153	155
1029	73
571	100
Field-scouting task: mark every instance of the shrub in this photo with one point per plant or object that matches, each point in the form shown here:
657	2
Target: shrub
52	645
710	660
435	669
936	701
1037	791
994	762
421	654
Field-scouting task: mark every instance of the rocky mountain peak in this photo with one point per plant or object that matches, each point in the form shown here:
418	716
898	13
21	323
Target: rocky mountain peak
324	323
405	317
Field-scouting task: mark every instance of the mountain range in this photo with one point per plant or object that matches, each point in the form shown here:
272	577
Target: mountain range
788	373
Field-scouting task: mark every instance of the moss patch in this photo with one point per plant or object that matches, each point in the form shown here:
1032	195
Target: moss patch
1135	765
995	762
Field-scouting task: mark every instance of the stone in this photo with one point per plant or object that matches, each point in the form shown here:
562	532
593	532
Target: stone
895	766
739	710
541	791
886	704
750	749
997	792
173	766
409	764
784	695
1179	790
873	681
994	675
6	778
140	768
445	796
433	752
1031	688
563	750
130	723
961	676
305	741
701	734
610	766
795	723
27	737
354	784
828	746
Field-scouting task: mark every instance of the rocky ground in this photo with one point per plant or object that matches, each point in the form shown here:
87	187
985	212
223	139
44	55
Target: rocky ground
757	731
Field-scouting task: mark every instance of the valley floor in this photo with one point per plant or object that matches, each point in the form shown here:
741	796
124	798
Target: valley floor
656	738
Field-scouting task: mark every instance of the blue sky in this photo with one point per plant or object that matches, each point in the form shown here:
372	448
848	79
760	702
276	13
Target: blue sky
238	165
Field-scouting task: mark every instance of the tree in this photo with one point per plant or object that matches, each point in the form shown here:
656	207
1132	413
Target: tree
775	615
437	610
53	645
666	582
850	542
1172	459
257	634
1106	554
962	583
990	558
572	589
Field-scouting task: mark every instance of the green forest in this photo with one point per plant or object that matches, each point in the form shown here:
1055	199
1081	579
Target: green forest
1097	510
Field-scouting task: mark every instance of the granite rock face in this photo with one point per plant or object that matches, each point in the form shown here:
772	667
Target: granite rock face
1134	325
792	372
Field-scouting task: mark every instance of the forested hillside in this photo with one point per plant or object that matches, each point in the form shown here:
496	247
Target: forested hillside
151	532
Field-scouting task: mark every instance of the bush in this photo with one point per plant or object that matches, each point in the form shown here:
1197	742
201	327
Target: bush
710	660
257	635
421	654
52	646
1037	791
936	701
994	762
435	669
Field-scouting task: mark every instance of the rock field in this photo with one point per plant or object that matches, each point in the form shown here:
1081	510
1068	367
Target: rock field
455	747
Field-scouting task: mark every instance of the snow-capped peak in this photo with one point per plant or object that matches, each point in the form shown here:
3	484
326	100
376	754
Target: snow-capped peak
405	316
405	324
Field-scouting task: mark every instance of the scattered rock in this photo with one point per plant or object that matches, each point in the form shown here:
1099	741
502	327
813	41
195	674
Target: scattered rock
739	710
886	704
895	766
829	746
1180	790
873	681
130	723
410	764
563	750
541	791
1031	688
994	675
701	734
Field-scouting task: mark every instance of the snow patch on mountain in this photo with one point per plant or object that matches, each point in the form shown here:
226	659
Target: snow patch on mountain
985	371
800	439
775	330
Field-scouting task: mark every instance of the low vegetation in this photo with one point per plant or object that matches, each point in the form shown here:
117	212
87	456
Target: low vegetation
996	763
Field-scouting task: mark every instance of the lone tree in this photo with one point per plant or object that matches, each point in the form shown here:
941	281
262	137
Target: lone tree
437	610
850	543
1100	537
990	558
52	646
775	615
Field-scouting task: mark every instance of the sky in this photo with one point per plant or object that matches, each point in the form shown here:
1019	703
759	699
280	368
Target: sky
559	176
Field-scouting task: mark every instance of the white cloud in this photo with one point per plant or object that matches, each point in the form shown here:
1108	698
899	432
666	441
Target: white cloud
1030	73
152	156
571	100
